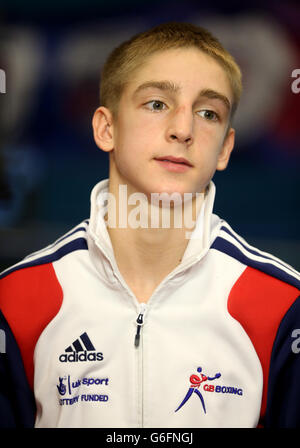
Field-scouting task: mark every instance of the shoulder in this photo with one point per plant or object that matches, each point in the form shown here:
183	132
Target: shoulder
234	246
75	239
263	298
266	288
31	295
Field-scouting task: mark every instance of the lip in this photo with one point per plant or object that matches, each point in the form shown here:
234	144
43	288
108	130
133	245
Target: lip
174	164
179	160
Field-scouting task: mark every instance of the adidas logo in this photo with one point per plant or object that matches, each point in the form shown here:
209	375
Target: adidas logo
81	350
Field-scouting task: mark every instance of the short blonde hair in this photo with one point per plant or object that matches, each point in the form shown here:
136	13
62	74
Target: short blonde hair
130	55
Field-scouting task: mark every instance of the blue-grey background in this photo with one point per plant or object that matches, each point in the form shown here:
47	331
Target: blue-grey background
52	54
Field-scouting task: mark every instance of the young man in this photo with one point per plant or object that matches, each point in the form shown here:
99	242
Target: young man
128	322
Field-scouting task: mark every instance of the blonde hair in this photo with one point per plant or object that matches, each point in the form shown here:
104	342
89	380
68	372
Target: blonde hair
130	55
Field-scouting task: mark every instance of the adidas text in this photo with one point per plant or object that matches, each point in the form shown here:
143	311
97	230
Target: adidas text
81	357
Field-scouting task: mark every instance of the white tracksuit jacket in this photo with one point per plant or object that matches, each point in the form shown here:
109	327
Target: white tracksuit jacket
217	344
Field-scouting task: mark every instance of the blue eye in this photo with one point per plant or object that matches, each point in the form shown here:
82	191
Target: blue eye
209	115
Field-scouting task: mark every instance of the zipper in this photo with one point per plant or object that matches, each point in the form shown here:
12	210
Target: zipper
139	323
138	343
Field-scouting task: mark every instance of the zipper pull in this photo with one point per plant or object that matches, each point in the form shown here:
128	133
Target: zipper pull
139	322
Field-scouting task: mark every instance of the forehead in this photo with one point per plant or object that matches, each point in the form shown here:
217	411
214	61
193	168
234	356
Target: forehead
189	69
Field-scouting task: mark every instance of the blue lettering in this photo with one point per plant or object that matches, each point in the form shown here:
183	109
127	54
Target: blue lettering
228	390
68	401
94	397
97	381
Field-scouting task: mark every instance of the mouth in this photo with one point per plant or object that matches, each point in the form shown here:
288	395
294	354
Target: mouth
174	164
178	160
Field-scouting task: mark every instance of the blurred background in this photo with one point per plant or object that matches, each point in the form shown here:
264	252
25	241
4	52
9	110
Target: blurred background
52	54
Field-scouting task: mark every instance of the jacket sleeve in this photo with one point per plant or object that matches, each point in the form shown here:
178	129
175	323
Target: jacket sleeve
17	404
283	398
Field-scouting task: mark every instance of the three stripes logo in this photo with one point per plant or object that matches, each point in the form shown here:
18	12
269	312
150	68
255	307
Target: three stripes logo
81	350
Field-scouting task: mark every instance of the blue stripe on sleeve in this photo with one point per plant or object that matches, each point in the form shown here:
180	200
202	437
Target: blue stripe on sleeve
256	251
78	244
268	266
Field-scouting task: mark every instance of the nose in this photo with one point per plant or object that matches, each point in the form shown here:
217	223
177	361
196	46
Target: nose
180	126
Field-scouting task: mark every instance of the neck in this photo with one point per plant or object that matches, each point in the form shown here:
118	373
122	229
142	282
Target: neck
149	238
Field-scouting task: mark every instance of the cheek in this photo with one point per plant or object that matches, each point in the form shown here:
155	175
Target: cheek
128	151
135	138
209	142
211	133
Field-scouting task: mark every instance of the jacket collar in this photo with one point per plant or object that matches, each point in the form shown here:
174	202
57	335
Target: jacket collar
200	239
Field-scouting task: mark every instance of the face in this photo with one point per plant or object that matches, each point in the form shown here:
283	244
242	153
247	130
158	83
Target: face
170	134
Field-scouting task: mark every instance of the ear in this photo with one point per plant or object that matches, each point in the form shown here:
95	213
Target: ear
228	144
103	128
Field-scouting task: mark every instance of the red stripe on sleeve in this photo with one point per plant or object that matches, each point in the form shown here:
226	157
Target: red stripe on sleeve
259	302
29	299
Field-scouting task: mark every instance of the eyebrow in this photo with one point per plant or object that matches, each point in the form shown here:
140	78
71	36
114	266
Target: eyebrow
169	86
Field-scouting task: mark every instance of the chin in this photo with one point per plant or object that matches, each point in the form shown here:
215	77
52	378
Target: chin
174	187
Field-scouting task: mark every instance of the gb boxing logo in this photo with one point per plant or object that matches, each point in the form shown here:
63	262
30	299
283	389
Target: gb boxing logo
196	381
222	390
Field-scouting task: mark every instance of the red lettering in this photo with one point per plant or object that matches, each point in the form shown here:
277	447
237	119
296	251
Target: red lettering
209	387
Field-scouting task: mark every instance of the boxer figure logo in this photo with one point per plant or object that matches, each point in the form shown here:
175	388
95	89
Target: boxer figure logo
196	381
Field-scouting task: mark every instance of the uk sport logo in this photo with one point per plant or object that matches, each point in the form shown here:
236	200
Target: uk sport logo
195	383
70	391
81	350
